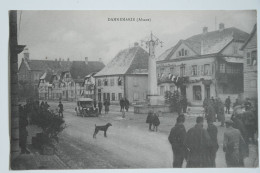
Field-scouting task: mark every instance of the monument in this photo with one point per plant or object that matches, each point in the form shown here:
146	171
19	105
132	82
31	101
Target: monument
153	96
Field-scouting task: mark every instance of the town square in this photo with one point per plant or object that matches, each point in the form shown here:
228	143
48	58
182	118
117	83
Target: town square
166	89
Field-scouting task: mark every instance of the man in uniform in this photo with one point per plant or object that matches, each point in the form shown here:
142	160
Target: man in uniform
100	106
176	138
227	104
213	133
60	109
232	145
198	143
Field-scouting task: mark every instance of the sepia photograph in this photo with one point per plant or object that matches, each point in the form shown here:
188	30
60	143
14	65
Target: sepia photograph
124	89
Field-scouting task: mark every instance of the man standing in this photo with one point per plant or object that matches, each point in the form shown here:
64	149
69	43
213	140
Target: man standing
100	106
184	104
176	138
126	104
231	146
60	109
122	104
211	112
213	133
198	143
227	104
106	104
221	112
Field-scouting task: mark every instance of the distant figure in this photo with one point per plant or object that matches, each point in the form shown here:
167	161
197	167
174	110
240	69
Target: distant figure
184	103
250	121
100	105
106	104
213	133
23	133
211	112
198	143
221	112
149	119
60	109
176	139
42	105
95	103
156	122
126	104
205	105
248	104
227	104
122	104
232	146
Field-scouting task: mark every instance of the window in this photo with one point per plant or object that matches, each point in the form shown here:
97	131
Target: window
119	81
105	82
113	97
182	70
222	68
99	82
119	96
186	52
253	57
112	82
197	92
183	52
162	89
206	69
248	58
136	96
171	70
194	70
135	82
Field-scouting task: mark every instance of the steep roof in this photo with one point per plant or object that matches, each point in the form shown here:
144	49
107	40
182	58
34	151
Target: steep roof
208	43
79	69
250	36
49	65
133	60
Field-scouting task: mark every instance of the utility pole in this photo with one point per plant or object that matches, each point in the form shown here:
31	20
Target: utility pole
14	50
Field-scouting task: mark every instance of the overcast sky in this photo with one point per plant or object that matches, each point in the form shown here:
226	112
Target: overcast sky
79	34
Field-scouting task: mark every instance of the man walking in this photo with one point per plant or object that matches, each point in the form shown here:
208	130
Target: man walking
221	112
227	104
213	133
198	143
232	146
176	139
100	106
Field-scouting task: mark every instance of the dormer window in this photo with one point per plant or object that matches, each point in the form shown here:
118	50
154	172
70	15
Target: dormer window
183	52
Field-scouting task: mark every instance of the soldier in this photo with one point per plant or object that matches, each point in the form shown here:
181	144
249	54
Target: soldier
122	104
176	139
213	133
106	104
149	119
184	103
248	104
233	145
221	112
211	112
126	104
198	143
100	106
227	104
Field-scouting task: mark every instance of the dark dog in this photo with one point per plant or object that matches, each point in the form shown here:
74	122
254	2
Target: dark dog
101	128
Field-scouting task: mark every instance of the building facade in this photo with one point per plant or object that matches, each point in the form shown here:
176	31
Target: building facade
208	65
126	76
250	65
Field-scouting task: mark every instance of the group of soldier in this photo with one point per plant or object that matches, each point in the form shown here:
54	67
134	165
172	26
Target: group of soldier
198	146
100	105
124	104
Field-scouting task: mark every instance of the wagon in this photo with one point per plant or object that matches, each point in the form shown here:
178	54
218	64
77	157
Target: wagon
85	108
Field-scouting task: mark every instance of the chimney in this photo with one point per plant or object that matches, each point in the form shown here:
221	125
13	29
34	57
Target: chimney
202	47
136	44
205	30
68	59
86	60
26	54
221	26
100	59
55	59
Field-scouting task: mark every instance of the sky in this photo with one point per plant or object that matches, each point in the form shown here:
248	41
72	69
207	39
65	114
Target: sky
79	34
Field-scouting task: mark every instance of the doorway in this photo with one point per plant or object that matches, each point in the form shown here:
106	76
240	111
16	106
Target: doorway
183	90
207	91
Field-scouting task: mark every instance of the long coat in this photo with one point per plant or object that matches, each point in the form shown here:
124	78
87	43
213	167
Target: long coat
221	112
211	112
198	143
213	133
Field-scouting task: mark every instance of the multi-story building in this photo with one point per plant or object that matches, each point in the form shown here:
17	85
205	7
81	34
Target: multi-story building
125	76
250	65
69	84
209	64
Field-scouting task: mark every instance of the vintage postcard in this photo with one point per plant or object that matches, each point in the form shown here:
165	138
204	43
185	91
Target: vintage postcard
133	89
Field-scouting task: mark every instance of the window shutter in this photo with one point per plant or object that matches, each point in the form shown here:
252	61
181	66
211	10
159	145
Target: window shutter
190	70
186	71
202	70
210	69
198	70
